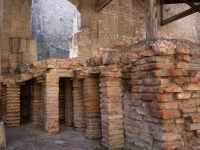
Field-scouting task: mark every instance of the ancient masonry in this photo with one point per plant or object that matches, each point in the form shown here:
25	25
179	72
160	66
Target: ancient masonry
146	98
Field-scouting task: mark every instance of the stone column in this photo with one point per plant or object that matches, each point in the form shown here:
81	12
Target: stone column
79	113
13	105
51	118
92	107
35	104
111	110
69	106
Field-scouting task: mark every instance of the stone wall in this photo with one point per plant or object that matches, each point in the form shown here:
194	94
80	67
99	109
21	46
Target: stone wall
122	23
162	109
52	25
17	46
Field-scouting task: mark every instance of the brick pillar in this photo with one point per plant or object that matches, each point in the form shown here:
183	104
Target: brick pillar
51	118
69	106
61	99
3	102
35	103
92	107
41	81
13	105
79	113
111	110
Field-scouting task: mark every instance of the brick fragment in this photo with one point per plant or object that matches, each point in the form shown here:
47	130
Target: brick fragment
195	118
156	66
165	114
182	65
191	87
185	95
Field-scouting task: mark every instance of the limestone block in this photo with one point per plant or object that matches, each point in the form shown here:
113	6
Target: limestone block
23	34
16	9
2	136
17	24
22	47
29	58
13	66
31	46
15	45
13	58
13	33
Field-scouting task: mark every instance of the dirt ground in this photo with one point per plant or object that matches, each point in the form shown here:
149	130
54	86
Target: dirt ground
32	137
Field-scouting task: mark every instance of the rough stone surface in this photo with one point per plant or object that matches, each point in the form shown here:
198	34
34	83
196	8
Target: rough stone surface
2	136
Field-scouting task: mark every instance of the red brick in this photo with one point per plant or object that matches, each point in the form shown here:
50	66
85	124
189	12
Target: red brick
175	73
135	69
163	106
142	74
185	95
164	98
108	74
182	65
195	118
139	89
190	103
169	145
111	79
189	110
136	82
198	133
166	114
110	84
111	105
171	88
192	126
136	96
191	87
111	89
155	81
195	80
157	66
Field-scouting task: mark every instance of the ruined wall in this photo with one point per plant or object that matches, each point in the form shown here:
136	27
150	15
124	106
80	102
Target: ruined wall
161	111
52	24
17	46
122	23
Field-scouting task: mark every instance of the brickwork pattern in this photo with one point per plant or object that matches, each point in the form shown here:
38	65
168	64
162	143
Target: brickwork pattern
111	110
51	103
69	103
79	112
61	99
12	105
3	102
35	104
92	107
161	112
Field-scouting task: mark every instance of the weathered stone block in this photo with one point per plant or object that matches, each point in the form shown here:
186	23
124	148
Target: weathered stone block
2	136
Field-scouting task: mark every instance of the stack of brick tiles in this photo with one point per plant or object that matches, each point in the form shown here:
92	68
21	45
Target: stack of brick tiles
92	107
163	110
35	104
51	115
61	99
12	105
79	112
69	106
41	81
111	110
3	100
